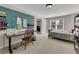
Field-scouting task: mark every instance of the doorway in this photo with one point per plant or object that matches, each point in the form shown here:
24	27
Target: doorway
38	26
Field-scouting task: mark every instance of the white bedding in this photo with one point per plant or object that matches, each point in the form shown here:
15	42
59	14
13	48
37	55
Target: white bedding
63	32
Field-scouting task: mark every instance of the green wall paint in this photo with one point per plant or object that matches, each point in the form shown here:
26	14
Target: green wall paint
12	15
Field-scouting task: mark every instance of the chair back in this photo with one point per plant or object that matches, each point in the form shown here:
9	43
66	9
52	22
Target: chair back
28	33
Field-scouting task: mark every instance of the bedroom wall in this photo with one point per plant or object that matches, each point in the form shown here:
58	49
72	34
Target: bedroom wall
68	21
12	15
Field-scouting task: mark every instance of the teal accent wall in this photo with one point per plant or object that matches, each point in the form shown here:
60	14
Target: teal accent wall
12	15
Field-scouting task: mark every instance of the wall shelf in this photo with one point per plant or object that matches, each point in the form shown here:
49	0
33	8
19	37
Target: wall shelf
3	24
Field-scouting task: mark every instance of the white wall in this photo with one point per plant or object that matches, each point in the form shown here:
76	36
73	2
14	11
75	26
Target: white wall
43	26
68	21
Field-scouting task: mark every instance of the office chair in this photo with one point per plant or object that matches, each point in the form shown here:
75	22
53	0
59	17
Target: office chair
27	37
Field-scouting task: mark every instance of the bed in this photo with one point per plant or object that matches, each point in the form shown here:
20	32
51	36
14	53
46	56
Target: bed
65	35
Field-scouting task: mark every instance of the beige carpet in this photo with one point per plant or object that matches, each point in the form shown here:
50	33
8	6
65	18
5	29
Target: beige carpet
43	45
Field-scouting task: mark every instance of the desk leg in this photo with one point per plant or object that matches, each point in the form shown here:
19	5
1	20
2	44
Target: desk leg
10	49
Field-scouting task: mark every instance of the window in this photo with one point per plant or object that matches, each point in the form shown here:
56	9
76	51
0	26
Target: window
77	21
57	24
24	23
19	23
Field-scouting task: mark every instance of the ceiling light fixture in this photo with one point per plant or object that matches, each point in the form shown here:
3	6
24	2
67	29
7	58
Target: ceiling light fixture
48	5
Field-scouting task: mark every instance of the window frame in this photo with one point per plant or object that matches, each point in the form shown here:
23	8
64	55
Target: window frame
56	28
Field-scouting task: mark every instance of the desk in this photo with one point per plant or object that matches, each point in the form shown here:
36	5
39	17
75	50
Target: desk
9	37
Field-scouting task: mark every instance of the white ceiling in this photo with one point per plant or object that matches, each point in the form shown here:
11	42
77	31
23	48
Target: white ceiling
39	10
